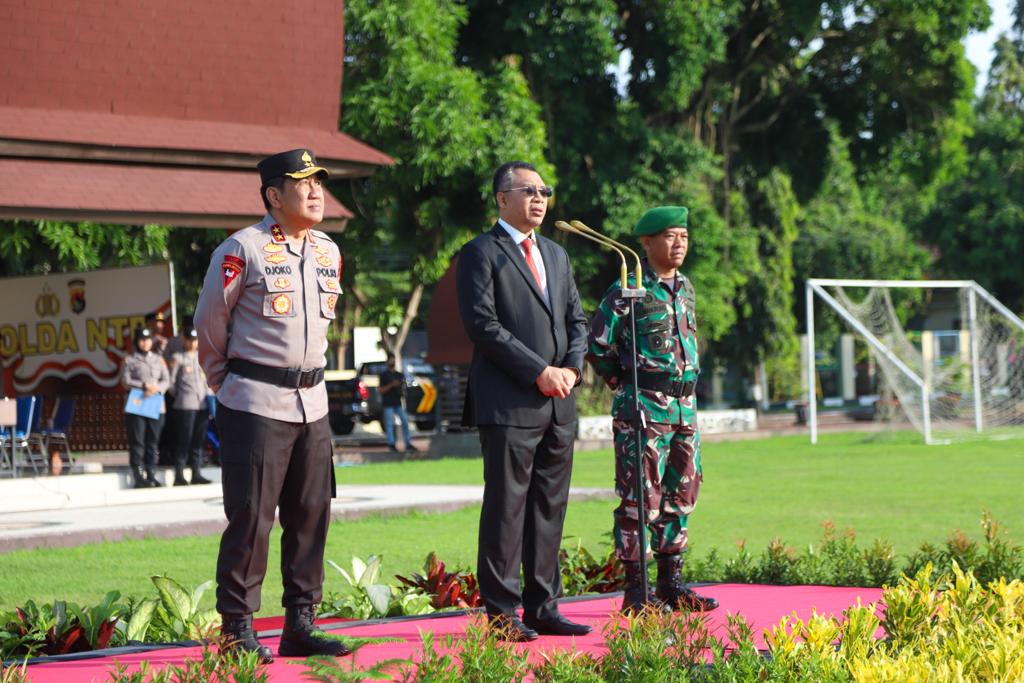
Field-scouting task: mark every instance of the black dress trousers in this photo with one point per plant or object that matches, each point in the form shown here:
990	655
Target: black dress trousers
527	472
268	464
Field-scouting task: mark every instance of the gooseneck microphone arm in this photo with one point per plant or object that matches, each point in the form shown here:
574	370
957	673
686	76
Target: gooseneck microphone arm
639	422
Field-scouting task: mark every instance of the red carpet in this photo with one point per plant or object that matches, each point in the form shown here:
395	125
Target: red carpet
762	606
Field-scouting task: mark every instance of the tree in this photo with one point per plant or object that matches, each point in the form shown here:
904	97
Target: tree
976	226
29	247
448	127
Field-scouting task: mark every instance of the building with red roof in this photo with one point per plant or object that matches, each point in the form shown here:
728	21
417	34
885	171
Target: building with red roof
147	111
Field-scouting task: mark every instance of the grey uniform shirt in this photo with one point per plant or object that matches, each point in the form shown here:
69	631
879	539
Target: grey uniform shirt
268	301
140	369
188	381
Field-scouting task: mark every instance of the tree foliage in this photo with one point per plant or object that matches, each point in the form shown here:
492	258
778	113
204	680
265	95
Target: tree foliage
446	125
976	226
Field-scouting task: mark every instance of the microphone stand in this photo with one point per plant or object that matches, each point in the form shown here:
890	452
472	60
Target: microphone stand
638	421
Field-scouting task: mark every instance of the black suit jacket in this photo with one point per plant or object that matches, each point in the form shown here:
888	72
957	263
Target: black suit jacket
515	334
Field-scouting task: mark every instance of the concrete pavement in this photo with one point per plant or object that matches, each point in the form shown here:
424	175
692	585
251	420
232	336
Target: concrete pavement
77	509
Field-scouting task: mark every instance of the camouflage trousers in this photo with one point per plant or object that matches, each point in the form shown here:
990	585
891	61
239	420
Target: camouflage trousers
672	479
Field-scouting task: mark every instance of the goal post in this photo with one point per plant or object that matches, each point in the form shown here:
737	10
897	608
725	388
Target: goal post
994	358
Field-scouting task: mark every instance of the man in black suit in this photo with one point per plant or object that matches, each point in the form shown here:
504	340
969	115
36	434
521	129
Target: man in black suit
522	312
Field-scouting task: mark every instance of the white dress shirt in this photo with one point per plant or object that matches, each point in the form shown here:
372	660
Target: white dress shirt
519	237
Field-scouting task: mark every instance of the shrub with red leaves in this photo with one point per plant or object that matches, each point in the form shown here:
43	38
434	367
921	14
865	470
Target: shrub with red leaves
447	589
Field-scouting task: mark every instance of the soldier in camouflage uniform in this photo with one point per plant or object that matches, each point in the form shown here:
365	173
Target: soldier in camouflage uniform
668	366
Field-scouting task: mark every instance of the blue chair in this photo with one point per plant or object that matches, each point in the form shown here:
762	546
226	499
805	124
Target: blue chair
56	434
19	440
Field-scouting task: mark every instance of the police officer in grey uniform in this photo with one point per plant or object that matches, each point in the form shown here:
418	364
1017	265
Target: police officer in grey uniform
188	414
144	370
262	318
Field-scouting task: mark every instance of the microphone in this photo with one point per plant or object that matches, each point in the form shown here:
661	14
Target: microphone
607	244
583	228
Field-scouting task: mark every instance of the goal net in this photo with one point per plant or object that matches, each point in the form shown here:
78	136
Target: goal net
959	374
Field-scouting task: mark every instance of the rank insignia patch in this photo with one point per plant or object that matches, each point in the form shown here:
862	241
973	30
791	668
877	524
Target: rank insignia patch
282	304
282	283
272	248
323	261
321	250
277	233
275	258
331	301
331	285
230	268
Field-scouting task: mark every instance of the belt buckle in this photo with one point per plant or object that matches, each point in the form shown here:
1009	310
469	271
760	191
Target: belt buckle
292	377
306	378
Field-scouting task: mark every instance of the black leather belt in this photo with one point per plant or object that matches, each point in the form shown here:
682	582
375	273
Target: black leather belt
289	378
665	384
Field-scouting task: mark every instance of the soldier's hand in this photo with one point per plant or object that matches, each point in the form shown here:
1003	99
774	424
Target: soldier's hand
555	381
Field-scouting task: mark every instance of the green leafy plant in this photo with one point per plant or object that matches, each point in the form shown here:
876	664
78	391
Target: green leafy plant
583	573
13	673
457	589
215	666
334	670
58	628
364	598
479	655
175	614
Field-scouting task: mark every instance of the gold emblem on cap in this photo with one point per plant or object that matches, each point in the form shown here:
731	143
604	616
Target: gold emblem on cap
307	159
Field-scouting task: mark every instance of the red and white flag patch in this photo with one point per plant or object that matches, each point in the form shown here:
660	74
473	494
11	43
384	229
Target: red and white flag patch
231	268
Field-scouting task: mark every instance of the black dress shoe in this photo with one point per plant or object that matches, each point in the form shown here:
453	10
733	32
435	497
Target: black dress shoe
510	629
558	626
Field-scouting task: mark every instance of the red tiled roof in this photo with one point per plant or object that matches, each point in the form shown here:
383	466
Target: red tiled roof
152	133
138	193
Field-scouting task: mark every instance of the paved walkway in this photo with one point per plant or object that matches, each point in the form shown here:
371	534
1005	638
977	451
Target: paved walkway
192	510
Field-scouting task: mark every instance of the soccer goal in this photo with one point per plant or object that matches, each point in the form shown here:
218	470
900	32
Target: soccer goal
959	380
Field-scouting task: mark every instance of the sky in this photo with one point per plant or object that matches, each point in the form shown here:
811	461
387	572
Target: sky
980	45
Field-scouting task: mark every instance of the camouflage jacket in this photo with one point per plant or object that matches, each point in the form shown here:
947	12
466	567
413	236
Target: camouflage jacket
666	349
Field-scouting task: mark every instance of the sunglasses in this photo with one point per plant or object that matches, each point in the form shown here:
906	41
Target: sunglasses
531	191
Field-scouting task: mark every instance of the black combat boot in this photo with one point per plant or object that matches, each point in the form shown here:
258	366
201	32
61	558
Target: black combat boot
673	592
138	480
198	478
301	636
236	630
632	598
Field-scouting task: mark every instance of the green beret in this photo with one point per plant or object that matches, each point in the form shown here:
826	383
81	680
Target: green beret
661	218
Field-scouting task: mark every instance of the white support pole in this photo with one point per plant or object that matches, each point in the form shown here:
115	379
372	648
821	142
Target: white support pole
997	304
972	305
926	413
812	399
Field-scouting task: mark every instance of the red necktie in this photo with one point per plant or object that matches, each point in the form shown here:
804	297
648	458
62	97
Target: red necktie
528	249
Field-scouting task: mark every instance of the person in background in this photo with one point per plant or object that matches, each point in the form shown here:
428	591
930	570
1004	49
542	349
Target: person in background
392	394
144	370
156	324
188	413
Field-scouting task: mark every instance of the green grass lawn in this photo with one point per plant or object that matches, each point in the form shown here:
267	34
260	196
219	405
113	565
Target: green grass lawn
880	485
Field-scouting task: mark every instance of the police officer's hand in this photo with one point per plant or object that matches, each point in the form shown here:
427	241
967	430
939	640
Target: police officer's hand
148	389
556	382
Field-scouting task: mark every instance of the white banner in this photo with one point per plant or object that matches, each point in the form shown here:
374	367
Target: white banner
68	324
